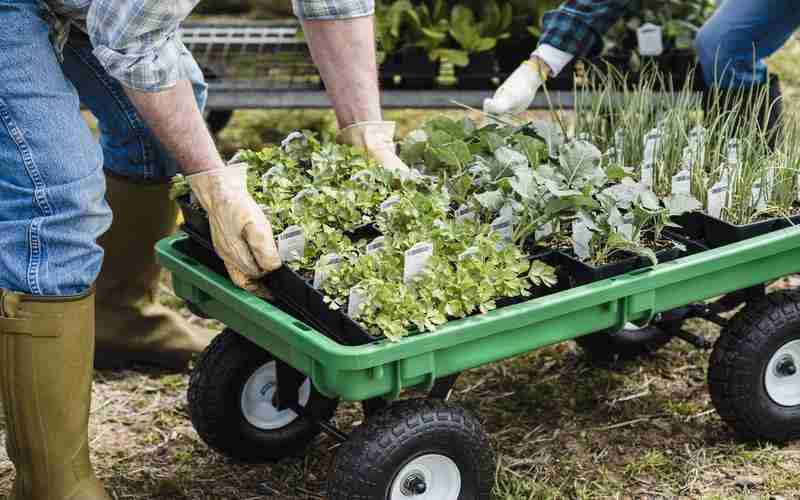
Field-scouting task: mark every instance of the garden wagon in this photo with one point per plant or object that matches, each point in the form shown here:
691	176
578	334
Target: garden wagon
266	403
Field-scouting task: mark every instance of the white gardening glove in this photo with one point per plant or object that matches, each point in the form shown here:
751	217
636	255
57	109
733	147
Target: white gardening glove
516	94
240	231
377	139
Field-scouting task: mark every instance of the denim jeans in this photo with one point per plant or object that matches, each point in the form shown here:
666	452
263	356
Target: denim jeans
732	44
52	187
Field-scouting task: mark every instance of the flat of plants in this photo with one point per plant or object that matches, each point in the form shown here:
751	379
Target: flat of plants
497	214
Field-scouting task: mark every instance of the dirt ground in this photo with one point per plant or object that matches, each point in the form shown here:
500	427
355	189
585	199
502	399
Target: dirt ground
562	426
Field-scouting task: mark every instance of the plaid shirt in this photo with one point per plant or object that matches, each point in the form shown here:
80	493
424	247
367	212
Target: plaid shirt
578	26
137	41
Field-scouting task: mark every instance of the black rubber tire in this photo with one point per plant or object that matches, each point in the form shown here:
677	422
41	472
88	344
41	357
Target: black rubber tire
215	389
623	345
738	363
367	463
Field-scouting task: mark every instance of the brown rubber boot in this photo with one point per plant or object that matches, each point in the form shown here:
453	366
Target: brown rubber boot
132	327
46	351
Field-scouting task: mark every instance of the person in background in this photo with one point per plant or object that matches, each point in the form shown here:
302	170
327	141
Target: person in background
125	61
731	48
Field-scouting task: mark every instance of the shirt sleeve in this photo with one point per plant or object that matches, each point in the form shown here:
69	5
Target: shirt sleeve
332	9
137	41
578	26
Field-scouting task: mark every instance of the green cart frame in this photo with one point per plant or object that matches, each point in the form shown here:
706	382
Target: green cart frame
429	449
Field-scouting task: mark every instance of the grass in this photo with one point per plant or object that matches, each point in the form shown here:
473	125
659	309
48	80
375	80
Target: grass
562	428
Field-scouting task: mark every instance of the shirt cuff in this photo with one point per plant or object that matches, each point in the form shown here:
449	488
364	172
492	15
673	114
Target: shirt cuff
151	70
321	10
553	57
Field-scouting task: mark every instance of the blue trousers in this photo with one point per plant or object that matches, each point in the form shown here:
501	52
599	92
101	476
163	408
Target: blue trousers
732	44
52	187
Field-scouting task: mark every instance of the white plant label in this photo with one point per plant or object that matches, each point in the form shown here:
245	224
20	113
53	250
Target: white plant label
376	245
626	229
757	196
687	161
464	213
504	226
647	175
652	146
619	146
733	152
355	301
682	182
543	231
581	237
415	260
650	38
717	198
469	252
292	244
325	264
389	203
769	183
697	142
584	136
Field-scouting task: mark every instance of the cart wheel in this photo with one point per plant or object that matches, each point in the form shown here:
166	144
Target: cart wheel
231	403
416	449
754	371
629	343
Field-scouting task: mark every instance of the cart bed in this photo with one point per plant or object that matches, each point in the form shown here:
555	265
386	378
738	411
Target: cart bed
385	368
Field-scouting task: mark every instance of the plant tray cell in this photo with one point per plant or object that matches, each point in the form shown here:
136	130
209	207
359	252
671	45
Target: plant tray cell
572	272
720	233
692	224
293	294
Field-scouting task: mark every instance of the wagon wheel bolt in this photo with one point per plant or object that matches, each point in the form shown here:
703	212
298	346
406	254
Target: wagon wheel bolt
414	485
786	367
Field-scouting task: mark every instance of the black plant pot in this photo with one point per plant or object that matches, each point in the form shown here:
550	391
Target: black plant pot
390	72
418	71
481	72
572	272
719	233
510	53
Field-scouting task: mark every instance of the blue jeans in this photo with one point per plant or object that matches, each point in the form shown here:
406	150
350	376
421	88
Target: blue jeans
732	44
52	187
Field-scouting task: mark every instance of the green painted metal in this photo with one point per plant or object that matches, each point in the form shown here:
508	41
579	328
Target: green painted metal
386	368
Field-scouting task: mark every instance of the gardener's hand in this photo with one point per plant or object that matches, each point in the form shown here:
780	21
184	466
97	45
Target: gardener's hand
377	139
516	94
240	231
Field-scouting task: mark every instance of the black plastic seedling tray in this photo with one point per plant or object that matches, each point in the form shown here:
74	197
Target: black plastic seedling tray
293	293
719	233
572	272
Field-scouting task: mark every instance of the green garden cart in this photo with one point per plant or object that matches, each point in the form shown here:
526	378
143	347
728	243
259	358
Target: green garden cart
270	383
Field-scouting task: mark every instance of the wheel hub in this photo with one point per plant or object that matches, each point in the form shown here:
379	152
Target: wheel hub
427	477
782	380
259	395
414	485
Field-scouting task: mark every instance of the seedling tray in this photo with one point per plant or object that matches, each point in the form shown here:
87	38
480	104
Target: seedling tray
572	272
719	233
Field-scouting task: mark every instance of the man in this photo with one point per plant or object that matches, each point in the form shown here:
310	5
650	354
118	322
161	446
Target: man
730	46
124	60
